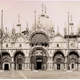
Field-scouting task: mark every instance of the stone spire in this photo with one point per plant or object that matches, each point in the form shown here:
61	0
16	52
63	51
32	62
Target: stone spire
2	28
71	25
65	29
35	19
46	15
27	26
43	13
13	30
39	24
27	29
6	30
18	25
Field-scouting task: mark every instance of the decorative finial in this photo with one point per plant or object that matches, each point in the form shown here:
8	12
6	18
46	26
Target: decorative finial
19	24
35	19
39	18
42	7
6	29
2	28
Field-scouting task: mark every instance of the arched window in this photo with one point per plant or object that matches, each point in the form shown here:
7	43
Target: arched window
57	45
20	45
6	45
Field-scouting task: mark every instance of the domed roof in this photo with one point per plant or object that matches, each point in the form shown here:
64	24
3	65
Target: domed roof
44	21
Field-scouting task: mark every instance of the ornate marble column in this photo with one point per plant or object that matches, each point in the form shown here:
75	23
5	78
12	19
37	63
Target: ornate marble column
55	66
66	65
50	63
12	63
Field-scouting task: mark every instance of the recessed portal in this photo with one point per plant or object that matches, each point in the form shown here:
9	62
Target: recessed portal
39	64
72	66
20	66
6	66
58	66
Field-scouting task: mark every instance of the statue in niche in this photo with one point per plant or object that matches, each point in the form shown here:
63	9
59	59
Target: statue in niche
72	44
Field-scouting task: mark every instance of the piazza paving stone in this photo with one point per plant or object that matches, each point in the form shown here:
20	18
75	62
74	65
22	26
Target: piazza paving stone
40	74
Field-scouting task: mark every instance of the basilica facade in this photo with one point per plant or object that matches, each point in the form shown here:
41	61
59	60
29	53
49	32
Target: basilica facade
40	48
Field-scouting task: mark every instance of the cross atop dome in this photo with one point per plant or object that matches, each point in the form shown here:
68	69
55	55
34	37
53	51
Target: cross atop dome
71	23
43	13
19	24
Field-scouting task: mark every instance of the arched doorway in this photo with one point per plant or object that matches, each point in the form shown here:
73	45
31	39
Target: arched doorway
39	40
73	60
6	61
19	60
38	59
58	60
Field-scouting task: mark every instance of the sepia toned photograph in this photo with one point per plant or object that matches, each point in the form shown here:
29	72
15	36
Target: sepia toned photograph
39	39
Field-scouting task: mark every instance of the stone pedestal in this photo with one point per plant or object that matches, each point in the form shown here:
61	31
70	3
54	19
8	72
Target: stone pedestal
49	66
32	66
16	66
22	66
62	66
12	63
12	66
28	66
66	66
55	66
76	66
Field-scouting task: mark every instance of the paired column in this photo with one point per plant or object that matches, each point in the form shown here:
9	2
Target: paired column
66	65
26	64
12	63
50	63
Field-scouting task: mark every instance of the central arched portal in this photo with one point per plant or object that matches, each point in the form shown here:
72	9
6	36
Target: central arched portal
38	59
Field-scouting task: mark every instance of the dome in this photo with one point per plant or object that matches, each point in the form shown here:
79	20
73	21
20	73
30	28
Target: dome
44	21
